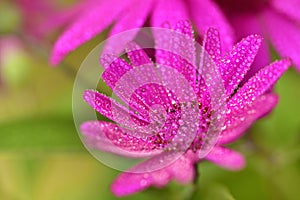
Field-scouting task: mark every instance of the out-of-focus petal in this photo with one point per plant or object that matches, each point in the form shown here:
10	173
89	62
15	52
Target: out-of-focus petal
91	22
34	12
238	121
205	14
133	17
181	170
284	35
109	137
226	158
170	11
59	19
289	8
237	62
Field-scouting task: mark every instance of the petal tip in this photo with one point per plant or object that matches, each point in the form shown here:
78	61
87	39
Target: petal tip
212	29
227	158
256	39
287	62
89	97
126	184
55	59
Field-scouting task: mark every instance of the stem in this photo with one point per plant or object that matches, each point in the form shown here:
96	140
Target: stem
192	193
197	174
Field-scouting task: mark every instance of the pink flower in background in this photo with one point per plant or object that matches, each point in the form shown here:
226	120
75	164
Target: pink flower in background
123	15
276	20
11	47
41	18
244	106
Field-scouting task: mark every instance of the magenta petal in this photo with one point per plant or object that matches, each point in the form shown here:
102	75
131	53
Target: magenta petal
226	158
289	8
129	183
212	44
91	22
239	120
38	17
236	64
137	55
132	18
258	84
140	87
207	14
179	42
112	110
176	49
210	56
263	58
245	25
186	47
284	35
115	69
59	19
109	137
130	84
28	6
184	27
170	11
181	170
177	62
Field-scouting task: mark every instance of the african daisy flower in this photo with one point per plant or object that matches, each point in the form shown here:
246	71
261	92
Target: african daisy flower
124	136
123	15
276	20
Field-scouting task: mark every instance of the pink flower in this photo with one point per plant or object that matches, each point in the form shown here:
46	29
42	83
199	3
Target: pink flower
128	14
13	49
244	105
41	18
276	20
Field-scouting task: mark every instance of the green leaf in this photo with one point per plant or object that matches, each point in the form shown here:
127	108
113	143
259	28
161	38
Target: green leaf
40	133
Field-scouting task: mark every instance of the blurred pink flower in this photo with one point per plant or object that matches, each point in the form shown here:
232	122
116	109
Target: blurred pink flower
276	20
128	14
244	106
41	18
10	46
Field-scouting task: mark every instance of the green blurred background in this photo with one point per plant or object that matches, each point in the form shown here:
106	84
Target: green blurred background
42	158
